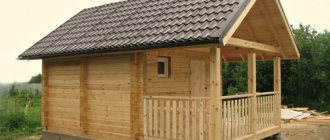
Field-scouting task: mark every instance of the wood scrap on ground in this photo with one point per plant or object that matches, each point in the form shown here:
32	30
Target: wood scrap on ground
302	114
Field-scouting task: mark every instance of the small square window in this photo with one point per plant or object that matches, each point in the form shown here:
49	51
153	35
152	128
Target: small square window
163	67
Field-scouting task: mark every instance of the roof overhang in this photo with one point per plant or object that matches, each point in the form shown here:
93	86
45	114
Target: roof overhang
262	25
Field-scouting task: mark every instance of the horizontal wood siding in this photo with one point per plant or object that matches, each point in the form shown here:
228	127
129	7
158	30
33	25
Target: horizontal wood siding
63	97
108	97
178	83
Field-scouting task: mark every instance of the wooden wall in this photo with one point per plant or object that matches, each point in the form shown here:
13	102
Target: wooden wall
108	93
178	84
63	96
115	86
108	97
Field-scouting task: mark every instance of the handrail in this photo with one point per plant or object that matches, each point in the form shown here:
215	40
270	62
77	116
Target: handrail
236	96
176	98
208	98
266	93
248	95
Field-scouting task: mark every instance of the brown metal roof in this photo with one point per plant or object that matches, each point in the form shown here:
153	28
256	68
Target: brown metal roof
138	25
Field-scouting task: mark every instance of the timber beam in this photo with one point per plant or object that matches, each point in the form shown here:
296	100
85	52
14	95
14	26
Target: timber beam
253	45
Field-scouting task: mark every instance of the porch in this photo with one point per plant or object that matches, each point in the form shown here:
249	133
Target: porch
254	115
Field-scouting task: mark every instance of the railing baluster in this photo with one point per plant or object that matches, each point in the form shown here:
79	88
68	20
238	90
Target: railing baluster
161	118
225	120
181	113
156	125
150	118
200	120
145	118
194	120
174	118
187	117
168	119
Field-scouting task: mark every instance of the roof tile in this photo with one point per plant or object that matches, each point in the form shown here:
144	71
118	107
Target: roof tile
138	24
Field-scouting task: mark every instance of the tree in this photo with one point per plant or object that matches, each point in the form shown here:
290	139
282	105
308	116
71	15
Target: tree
36	79
305	82
13	91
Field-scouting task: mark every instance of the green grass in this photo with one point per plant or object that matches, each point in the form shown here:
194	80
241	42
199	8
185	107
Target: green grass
14	123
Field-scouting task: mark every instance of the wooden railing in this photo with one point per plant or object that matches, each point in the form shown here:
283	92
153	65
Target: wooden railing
237	116
188	118
176	118
266	110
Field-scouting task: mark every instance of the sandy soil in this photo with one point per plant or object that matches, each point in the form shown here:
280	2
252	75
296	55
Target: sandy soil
31	138
306	130
310	129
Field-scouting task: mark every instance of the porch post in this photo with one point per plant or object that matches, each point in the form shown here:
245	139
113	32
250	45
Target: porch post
215	93
252	90
277	89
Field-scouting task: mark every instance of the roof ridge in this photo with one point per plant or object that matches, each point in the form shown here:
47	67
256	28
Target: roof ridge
136	25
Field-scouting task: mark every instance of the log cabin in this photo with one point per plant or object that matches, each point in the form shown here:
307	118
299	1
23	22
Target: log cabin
150	69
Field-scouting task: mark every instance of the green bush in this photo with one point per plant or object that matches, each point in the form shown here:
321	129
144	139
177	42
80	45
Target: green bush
15	120
20	113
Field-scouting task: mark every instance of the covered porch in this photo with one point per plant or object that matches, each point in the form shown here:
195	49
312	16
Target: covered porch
253	115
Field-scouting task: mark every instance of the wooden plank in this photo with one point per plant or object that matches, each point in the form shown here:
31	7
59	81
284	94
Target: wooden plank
45	94
201	120
277	88
230	120
150	118
145	118
252	89
135	97
225	120
174	120
181	113
215	93
238	22
239	102
234	118
274	31
246	113
161	119
236	96
187	119
194	120
168	118
253	45
198	78
177	97
156	119
83	95
287	27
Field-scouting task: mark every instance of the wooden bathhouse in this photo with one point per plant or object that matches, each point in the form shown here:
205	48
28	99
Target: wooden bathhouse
152	70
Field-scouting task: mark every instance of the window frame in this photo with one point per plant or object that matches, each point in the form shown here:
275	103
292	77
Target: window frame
166	62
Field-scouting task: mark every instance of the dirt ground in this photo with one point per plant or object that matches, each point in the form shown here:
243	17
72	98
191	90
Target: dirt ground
31	138
310	129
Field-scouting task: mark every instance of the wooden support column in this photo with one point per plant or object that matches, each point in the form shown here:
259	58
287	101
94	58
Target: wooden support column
136	97
277	89
252	89
215	94
83	94
45	93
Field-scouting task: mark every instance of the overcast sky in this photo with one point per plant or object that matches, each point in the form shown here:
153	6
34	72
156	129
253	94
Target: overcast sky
24	22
